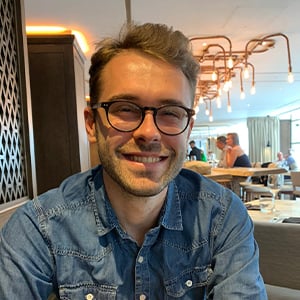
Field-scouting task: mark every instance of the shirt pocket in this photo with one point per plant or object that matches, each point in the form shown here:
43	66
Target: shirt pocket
88	291
188	280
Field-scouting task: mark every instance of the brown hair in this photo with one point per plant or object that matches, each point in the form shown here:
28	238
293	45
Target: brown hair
235	138
157	40
221	139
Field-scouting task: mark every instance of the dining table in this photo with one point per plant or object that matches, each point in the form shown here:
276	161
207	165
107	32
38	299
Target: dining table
288	210
241	174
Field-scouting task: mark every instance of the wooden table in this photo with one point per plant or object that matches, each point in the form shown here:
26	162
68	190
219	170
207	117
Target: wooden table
283	209
216	176
241	174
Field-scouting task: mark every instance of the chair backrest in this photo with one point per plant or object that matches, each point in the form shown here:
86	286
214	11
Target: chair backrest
295	177
279	246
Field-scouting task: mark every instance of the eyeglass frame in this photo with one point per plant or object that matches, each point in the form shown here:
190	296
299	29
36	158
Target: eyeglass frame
106	105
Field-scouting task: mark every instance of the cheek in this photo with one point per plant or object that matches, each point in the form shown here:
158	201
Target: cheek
110	139
178	143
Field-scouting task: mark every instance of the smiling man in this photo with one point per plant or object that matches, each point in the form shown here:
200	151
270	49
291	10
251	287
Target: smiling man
138	226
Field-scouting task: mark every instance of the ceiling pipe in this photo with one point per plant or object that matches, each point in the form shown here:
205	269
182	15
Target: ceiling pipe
128	11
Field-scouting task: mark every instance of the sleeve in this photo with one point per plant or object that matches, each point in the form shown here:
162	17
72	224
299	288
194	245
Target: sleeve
235	257
25	261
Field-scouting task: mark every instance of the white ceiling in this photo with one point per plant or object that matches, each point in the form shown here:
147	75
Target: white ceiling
239	20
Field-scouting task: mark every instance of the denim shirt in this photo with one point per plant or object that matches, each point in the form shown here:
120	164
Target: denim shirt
68	241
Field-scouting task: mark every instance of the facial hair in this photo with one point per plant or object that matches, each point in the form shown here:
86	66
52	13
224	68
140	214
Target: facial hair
133	183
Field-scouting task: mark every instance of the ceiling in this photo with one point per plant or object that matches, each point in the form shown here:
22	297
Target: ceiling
239	20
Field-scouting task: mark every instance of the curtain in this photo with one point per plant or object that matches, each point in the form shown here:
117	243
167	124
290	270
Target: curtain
264	138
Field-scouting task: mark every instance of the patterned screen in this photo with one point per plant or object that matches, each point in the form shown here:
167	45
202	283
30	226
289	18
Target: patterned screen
13	184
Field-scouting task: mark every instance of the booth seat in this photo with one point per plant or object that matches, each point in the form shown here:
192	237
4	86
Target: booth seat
279	245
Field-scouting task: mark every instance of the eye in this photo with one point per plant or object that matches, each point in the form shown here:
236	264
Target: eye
172	112
124	108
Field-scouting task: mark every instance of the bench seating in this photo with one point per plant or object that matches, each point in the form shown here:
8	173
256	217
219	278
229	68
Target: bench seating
279	247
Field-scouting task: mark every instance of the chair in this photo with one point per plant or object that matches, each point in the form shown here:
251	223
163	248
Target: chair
253	191
288	190
279	258
255	187
295	177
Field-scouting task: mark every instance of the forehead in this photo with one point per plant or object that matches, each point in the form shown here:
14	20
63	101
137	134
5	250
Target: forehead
143	76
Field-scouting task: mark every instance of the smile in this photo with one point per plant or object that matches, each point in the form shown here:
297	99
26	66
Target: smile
143	159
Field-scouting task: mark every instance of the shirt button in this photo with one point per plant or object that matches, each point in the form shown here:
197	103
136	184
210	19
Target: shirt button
89	297
142	297
140	259
189	283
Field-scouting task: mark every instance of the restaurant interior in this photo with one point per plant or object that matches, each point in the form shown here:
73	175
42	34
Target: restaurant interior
248	53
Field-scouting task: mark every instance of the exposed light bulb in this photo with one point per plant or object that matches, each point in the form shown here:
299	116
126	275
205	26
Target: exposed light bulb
219	103
242	95
230	63
253	89
211	118
290	77
219	91
226	86
206	111
214	76
246	72
229	108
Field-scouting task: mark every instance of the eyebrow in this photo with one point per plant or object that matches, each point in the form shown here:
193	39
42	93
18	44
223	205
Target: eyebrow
137	99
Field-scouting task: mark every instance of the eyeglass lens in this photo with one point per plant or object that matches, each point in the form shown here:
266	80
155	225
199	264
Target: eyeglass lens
127	116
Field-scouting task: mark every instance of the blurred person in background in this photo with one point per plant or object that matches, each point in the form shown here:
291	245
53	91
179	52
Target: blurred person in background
235	155
221	145
290	160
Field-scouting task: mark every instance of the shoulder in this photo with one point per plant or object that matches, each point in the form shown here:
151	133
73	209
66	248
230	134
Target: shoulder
238	149
196	187
73	193
209	202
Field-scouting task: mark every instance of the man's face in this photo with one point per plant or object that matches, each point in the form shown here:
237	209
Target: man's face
143	161
220	145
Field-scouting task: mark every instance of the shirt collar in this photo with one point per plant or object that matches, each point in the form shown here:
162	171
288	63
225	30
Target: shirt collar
171	217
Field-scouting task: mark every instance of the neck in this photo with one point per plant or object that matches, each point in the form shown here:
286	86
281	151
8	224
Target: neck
136	214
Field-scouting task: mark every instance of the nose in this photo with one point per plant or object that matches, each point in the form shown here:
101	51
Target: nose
148	130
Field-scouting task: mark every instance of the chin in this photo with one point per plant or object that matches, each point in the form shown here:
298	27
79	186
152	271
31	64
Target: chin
144	193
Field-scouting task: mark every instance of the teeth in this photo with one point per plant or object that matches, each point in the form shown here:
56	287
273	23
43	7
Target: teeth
143	159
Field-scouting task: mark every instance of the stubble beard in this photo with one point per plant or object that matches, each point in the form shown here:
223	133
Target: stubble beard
144	185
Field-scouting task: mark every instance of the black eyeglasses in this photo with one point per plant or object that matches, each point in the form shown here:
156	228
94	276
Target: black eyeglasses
126	116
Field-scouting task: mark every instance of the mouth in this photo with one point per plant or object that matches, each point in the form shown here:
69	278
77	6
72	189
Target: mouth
145	159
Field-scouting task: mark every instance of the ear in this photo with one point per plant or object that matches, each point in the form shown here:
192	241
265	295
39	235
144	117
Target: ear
90	125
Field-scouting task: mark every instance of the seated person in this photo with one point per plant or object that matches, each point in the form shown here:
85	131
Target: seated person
281	162
235	156
292	165
198	153
221	145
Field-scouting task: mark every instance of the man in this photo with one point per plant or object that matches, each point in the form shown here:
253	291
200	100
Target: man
221	144
138	226
290	161
196	152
